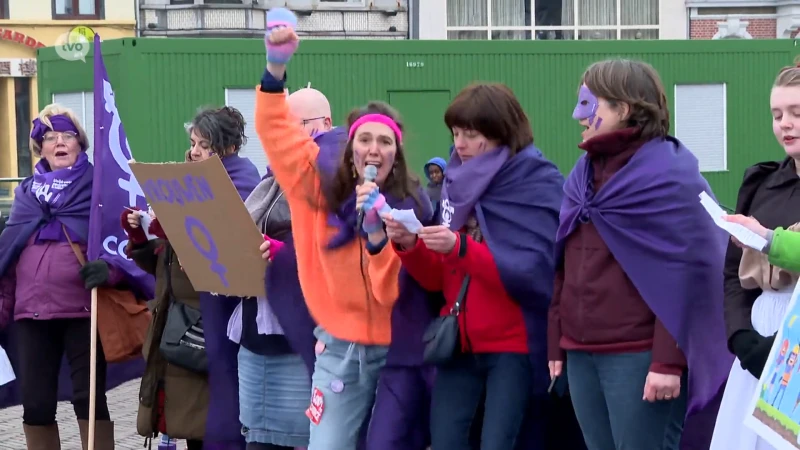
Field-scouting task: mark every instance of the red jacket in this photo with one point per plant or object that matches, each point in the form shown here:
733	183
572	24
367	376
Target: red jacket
490	320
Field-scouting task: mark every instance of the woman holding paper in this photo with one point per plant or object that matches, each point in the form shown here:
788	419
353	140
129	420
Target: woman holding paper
351	279
757	294
493	255
43	288
174	396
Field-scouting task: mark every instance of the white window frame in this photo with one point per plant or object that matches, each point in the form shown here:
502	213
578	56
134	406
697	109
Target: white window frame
328	4
260	159
574	28
85	102
724	121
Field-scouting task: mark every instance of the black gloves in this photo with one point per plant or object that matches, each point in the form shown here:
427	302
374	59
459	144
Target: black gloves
95	273
752	349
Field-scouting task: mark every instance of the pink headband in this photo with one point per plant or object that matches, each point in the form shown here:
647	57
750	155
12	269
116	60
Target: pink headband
377	118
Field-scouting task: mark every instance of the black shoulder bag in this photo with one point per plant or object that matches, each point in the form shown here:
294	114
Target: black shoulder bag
441	338
183	342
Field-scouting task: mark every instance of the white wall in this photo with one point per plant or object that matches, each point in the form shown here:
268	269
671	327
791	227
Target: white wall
673	18
432	19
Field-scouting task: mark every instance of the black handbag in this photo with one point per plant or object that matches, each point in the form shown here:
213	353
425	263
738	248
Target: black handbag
441	338
183	342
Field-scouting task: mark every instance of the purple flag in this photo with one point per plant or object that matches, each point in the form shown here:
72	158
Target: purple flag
114	187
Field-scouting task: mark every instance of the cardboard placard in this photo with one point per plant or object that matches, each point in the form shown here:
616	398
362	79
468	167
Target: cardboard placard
773	412
207	224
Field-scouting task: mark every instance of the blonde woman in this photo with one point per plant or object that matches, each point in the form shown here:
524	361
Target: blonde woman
43	289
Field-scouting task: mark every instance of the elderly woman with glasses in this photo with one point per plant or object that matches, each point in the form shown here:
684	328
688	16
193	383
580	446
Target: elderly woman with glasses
44	290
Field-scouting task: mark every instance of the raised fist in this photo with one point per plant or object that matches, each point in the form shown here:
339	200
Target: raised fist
280	39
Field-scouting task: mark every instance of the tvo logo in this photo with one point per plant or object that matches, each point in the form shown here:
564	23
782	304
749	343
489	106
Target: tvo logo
72	46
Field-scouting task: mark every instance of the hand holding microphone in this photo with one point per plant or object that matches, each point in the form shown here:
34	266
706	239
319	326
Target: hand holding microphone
370	202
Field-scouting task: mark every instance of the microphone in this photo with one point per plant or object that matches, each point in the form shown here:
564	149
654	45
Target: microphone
370	173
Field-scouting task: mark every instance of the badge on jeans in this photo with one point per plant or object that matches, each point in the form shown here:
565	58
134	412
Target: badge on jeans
314	411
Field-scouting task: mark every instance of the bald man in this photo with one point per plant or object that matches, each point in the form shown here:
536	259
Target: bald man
312	109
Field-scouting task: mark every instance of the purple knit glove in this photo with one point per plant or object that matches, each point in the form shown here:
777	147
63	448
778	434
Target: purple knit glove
372	218
280	18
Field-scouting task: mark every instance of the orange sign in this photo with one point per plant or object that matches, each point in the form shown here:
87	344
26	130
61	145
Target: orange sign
20	38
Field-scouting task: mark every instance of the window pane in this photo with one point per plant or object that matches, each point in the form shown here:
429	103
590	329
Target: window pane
639	12
511	13
700	123
62	6
640	34
555	12
597	12
597	35
467	35
551	35
86	7
22	95
467	13
510	35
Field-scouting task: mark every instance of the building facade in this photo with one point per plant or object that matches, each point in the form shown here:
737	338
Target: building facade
322	19
25	26
607	19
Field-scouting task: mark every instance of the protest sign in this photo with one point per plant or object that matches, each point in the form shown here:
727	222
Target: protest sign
773	413
207	224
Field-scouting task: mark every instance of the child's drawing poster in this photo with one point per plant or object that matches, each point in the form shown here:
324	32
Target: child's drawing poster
775	408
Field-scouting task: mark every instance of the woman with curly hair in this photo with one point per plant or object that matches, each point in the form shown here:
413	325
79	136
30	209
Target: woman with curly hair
175	396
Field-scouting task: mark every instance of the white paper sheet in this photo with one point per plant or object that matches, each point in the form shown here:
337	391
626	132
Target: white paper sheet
145	224
6	371
407	218
740	232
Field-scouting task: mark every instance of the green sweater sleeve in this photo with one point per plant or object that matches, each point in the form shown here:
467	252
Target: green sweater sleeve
784	251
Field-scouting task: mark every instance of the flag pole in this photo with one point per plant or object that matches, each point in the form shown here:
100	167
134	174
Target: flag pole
93	370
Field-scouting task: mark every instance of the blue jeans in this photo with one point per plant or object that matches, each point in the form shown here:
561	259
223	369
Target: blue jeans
607	390
457	392
346	374
273	397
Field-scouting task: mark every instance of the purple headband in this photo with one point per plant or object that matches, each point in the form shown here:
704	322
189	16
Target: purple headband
60	123
378	118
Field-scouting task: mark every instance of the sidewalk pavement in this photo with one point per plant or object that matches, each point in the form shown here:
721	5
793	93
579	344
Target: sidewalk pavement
122	403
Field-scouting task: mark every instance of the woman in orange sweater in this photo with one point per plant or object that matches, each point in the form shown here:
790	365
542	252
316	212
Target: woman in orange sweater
349	279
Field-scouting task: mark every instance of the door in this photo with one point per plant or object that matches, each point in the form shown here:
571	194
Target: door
425	134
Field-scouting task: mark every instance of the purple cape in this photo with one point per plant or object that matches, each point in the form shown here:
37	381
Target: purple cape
518	216
223	430
649	215
26	218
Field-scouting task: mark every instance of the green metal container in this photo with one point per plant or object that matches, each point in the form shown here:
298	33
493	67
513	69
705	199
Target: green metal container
160	83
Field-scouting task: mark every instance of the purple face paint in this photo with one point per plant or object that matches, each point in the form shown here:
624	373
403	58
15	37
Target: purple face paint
587	107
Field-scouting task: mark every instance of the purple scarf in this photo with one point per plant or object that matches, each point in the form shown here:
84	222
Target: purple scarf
52	187
465	183
648	213
243	174
223	430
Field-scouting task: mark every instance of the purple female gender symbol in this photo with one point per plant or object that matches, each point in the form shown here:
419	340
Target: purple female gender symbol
211	254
